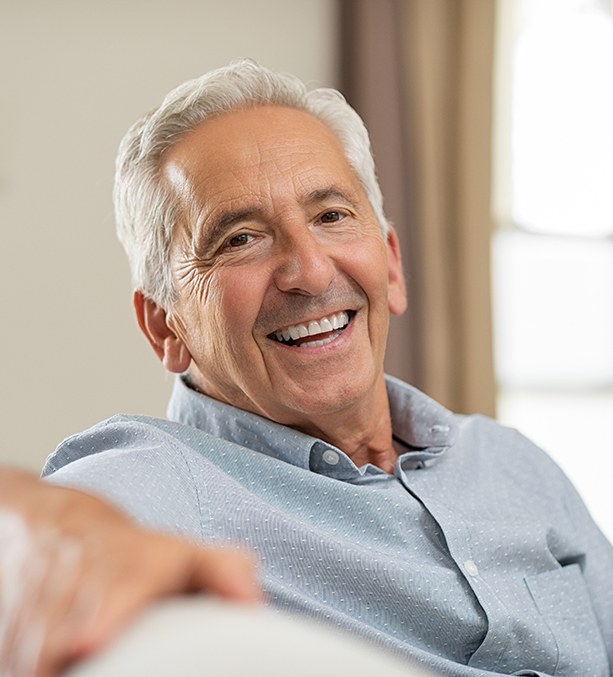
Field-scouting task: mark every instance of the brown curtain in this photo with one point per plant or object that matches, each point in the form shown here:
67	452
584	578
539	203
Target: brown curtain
419	72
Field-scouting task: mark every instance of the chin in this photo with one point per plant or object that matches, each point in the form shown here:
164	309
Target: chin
316	401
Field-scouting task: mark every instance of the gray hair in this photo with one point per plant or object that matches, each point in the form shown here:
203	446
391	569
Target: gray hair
146	211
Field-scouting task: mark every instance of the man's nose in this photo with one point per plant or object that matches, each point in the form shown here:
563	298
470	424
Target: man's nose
304	265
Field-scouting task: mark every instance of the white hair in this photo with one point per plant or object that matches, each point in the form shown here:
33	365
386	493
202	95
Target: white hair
146	211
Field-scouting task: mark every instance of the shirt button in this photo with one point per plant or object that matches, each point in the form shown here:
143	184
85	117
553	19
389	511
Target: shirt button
471	568
330	457
443	429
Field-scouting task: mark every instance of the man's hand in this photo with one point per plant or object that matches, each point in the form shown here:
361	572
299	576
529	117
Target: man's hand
74	570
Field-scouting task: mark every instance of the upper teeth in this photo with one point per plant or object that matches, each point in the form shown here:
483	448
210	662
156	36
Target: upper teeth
325	324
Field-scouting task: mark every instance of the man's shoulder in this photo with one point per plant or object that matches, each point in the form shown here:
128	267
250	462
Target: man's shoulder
157	471
499	451
127	434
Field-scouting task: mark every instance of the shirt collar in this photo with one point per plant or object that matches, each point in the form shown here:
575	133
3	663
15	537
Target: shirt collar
420	425
417	420
236	425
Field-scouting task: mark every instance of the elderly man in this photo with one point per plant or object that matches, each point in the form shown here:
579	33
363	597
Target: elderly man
265	273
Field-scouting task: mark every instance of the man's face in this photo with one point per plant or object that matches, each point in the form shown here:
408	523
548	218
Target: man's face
284	279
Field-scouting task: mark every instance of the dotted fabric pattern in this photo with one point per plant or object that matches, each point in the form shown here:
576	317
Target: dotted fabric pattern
475	557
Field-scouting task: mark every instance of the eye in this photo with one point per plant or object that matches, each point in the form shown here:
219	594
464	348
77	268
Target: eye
239	240
331	217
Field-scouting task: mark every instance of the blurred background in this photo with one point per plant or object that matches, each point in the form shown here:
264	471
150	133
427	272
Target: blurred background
491	123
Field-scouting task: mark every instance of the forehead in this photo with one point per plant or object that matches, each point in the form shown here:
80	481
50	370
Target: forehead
254	151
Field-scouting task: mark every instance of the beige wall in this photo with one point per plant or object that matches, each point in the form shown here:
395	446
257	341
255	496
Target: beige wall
74	74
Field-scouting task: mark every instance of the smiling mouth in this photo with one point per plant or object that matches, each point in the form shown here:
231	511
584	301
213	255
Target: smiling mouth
315	333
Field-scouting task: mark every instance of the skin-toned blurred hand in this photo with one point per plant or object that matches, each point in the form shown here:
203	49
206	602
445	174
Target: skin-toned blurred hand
74	571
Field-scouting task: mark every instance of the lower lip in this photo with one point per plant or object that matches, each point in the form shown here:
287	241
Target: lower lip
323	342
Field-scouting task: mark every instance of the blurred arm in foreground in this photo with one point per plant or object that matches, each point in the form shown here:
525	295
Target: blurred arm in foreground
74	571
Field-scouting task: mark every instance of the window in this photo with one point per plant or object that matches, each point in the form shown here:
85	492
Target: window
553	250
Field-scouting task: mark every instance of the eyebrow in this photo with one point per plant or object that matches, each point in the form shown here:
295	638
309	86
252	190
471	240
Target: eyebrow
331	192
215	228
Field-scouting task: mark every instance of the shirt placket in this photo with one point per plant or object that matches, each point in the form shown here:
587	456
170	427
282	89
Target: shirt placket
465	553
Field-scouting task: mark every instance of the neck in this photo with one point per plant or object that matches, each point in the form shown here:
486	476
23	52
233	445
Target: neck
364	432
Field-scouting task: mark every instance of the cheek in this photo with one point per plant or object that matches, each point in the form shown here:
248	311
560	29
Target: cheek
367	265
203	318
234	303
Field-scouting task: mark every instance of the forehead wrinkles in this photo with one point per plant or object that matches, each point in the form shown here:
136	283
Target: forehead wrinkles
241	166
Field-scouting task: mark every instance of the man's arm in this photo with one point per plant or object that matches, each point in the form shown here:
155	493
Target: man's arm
74	570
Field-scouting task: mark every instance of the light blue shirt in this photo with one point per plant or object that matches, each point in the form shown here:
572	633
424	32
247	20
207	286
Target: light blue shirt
476	556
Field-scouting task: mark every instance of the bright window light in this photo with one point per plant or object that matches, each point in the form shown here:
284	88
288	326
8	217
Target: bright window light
552	256
562	120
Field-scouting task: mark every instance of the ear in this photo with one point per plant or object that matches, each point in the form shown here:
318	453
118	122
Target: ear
397	293
166	343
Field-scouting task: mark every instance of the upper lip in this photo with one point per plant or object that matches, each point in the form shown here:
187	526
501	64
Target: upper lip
282	311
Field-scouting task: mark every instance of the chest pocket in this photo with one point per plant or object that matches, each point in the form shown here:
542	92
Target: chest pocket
562	600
